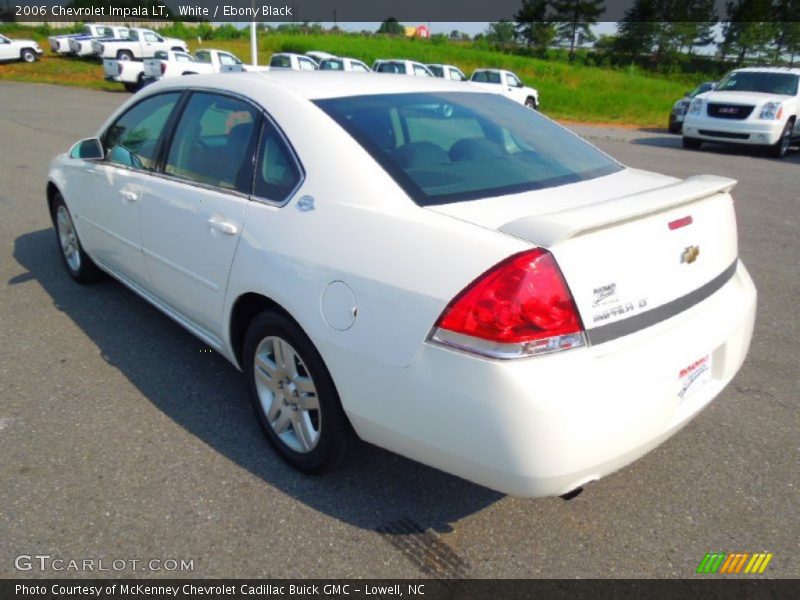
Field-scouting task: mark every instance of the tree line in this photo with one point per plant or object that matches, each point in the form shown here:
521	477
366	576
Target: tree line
655	32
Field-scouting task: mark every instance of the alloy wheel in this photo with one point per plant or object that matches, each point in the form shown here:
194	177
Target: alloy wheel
68	238
287	394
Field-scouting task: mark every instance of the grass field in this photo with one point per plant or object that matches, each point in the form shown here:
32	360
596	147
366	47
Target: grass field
570	92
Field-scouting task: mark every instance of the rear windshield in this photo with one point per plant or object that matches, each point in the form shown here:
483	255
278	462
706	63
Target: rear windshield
486	77
754	81
392	67
332	64
454	146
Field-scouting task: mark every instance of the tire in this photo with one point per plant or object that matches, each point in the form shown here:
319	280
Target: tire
781	147
78	264
692	143
315	439
674	127
124	55
530	103
131	87
27	55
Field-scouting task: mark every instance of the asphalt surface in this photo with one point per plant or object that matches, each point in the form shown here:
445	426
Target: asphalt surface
121	439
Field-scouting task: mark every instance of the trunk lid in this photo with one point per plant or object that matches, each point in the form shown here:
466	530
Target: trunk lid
648	254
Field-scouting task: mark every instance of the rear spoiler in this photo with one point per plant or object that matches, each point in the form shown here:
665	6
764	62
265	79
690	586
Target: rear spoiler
549	229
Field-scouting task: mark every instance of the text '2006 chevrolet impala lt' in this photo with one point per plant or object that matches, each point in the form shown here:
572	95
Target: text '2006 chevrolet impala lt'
432	268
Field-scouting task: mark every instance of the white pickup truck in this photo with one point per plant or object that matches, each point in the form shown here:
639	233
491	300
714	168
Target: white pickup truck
506	83
60	43
24	50
170	63
129	73
292	62
140	44
84	45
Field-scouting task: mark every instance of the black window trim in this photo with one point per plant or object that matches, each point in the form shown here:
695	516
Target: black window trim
168	132
167	129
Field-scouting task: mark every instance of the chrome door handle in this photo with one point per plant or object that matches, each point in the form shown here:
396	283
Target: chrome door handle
222	225
129	196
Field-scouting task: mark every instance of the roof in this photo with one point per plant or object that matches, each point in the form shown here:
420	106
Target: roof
791	70
313	85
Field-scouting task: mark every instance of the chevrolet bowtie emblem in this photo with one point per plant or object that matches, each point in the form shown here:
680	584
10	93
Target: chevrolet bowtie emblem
690	254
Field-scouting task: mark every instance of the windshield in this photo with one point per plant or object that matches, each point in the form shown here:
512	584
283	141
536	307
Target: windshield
453	146
766	82
703	87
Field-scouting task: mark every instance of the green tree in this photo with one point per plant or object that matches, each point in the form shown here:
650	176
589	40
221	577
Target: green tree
748	33
788	40
636	33
533	25
574	20
693	24
392	26
501	32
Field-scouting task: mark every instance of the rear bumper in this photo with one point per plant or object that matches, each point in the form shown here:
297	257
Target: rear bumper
546	425
729	131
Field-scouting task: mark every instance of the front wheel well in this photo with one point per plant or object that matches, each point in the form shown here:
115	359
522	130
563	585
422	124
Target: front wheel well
246	308
52	192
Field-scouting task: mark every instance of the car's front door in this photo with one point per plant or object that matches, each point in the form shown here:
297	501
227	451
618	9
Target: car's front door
7	50
106	196
514	88
193	213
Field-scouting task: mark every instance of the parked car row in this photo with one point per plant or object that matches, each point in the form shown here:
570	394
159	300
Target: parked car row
495	80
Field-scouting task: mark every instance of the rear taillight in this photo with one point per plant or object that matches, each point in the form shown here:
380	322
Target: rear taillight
521	307
163	68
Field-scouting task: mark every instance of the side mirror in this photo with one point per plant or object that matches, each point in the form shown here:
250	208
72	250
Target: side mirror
90	149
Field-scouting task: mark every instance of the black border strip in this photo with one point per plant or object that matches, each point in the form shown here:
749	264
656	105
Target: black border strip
612	331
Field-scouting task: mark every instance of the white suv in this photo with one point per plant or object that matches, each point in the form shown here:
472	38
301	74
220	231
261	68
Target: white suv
755	106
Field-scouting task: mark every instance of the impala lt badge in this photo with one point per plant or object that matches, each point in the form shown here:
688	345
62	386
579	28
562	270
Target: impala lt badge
690	254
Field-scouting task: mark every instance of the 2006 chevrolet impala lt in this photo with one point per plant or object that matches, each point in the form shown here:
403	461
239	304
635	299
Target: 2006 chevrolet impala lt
432	268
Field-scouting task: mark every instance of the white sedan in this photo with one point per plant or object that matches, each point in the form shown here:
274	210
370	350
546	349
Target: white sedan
454	278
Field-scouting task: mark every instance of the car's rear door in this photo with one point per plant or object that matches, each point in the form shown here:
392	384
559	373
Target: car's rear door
194	210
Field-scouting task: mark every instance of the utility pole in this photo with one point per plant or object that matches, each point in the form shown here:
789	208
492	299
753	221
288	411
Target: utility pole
253	38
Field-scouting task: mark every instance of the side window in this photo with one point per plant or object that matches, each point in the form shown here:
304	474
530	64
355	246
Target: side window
419	70
513	81
227	59
277	173
456	75
306	65
213	142
479	76
203	56
182	57
360	67
283	62
150	37
132	141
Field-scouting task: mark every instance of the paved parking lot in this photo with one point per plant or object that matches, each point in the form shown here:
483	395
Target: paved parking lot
121	439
